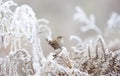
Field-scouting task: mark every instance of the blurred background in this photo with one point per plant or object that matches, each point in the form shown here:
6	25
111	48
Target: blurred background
60	14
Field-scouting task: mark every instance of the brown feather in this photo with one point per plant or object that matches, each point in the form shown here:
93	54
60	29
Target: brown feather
57	43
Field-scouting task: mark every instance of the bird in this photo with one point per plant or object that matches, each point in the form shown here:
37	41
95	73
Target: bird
57	43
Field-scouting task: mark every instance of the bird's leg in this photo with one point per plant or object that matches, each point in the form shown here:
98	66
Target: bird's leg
56	54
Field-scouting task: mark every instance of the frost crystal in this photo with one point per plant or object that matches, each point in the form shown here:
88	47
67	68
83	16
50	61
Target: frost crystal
96	59
87	23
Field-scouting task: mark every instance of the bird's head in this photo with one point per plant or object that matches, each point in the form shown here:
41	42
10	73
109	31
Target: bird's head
60	39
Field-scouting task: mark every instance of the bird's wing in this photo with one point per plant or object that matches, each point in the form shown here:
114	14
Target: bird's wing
53	43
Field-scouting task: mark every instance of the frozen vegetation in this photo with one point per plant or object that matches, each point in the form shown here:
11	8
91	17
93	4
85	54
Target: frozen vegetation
20	32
